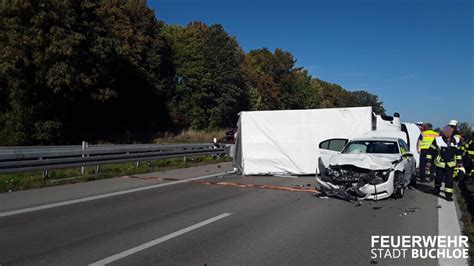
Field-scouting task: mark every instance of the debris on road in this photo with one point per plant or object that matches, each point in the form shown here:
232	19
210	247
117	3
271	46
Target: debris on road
409	211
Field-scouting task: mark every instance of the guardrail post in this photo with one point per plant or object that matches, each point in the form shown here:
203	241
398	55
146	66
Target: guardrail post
45	171
97	169
84	147
148	163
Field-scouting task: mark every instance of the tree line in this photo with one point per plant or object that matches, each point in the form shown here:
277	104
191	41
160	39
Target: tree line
110	70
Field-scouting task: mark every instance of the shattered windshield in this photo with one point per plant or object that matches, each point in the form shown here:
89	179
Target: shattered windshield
355	147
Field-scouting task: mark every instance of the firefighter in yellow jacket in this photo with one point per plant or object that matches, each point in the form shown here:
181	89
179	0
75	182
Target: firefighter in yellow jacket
423	146
445	155
468	156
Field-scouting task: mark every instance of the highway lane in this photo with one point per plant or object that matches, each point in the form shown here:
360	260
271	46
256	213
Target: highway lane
263	226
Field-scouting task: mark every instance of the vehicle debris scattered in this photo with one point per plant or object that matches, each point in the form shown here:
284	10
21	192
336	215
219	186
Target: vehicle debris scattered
409	211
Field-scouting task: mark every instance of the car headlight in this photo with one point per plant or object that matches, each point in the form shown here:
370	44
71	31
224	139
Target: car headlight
332	172
383	174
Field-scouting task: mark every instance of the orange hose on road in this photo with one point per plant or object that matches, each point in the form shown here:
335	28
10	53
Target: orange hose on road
271	187
235	184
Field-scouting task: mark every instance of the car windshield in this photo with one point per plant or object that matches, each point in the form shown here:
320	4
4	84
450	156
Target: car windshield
371	146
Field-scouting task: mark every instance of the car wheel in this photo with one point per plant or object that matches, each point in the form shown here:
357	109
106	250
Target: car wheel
413	179
399	193
398	185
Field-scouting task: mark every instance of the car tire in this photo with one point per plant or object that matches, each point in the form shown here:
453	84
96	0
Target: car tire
398	191
413	179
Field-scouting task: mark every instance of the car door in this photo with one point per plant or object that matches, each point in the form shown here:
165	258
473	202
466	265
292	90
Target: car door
328	148
408	161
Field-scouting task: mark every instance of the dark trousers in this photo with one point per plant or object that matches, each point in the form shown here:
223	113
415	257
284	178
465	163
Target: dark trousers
469	169
445	175
423	162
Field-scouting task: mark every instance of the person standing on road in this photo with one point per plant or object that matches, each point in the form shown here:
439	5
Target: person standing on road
468	156
457	136
458	172
446	155
423	146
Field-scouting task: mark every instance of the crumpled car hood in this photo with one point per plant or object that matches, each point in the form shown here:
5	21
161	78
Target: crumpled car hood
364	160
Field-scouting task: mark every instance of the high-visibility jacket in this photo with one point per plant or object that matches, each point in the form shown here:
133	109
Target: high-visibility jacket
457	137
468	154
428	137
446	154
468	148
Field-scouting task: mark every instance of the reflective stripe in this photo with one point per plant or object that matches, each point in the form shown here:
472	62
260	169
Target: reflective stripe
458	157
428	137
429	156
441	164
470	152
449	190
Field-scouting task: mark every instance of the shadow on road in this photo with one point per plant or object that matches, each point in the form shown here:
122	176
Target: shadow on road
467	190
427	188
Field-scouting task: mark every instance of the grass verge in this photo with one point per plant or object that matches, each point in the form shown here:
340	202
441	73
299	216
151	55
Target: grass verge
24	181
466	205
190	136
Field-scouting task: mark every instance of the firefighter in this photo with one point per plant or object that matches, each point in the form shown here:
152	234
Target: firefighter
468	156
423	146
457	136
445	155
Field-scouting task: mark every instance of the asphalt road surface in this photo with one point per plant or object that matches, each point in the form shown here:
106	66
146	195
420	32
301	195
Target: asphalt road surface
165	218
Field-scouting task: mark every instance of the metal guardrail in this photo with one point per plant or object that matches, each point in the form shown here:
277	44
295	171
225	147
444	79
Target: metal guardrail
35	158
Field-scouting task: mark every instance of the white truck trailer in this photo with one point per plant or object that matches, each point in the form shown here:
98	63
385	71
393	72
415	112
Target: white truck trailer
292	142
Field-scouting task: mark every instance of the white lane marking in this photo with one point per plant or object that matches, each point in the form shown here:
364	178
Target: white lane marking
448	225
112	194
157	241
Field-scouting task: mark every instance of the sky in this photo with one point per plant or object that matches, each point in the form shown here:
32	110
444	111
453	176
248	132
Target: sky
416	55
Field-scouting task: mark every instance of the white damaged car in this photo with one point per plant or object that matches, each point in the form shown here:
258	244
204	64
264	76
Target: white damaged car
368	168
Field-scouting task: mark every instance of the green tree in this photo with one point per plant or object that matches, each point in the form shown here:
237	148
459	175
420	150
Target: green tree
109	70
464	129
274	78
364	98
76	70
262	91
210	87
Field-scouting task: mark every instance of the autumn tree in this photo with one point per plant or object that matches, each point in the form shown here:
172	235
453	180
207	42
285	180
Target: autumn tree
75	70
109	70
209	78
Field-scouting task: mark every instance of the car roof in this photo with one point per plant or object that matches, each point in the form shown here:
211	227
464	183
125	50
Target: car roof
376	139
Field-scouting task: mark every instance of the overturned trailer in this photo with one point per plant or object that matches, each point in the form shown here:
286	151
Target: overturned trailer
286	141
294	142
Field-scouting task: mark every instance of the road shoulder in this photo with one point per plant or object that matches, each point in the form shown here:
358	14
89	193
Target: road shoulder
49	195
